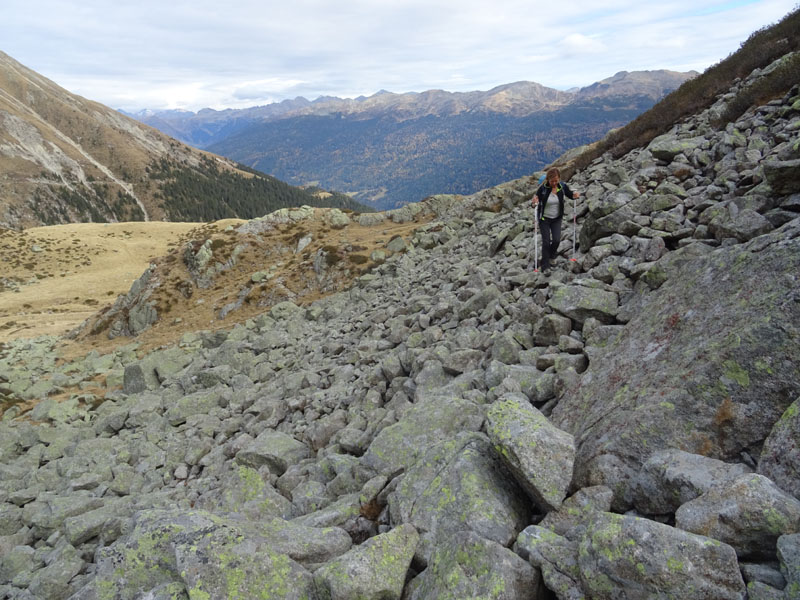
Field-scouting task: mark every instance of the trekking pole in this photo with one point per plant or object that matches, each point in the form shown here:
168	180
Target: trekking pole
535	241
574	226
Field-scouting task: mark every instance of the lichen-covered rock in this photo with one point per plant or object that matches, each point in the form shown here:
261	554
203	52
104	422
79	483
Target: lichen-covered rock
106	523
539	387
623	556
549	329
457	485
789	556
226	563
757	590
783	175
17	560
244	491
468	566
144	560
10	518
538	454
53	581
780	457
579	303
666	147
49	512
738	376
336	218
200	403
344	512
205	555
398	446
749	513
275	449
672	477
375	570
743	225
621	221
306	545
557	559
577	511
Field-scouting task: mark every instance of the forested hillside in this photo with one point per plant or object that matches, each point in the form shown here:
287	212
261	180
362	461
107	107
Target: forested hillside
208	193
65	159
387	163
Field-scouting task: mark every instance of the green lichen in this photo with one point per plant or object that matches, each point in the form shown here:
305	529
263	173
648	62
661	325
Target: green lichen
736	373
602	584
777	523
198	594
791	412
253	484
673	564
763	365
255	584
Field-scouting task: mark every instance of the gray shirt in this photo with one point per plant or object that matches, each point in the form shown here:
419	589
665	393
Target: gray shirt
551	206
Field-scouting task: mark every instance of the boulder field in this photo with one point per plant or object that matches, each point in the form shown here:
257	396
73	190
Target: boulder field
456	425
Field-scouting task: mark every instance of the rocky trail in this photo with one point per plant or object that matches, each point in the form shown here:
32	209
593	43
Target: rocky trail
454	425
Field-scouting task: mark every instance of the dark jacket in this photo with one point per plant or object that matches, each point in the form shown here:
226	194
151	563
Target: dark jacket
543	193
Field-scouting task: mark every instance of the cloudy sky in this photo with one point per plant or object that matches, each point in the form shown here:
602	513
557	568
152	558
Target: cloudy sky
192	54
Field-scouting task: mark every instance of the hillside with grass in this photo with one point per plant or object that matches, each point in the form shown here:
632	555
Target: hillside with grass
65	159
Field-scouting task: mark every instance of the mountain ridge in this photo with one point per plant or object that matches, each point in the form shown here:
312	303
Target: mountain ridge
519	98
64	158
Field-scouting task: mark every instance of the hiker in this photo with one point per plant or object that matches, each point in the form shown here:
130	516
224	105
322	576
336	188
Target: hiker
549	204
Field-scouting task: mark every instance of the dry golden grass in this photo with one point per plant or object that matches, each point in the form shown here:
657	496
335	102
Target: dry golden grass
56	278
66	272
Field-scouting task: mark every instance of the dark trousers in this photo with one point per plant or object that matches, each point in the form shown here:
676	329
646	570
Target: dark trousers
551	238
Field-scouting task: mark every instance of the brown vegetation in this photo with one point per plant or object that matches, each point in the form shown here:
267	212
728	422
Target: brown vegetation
55	278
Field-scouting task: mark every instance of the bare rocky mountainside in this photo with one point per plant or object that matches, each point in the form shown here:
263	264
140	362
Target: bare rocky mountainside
65	159
453	424
389	149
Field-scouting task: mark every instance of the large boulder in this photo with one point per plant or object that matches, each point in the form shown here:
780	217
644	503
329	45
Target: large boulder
750	514
375	570
460	484
783	175
742	225
582	302
175	552
577	511
629	557
468	566
673	477
667	146
690	358
275	449
538	454
398	446
789	556
244	491
780	457
557	559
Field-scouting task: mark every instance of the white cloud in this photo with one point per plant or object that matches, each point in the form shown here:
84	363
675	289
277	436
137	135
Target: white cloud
197	53
577	44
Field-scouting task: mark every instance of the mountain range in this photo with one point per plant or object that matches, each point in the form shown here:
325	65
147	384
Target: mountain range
389	149
65	159
305	405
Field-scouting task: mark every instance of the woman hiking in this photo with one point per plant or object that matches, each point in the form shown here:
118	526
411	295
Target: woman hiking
549	204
